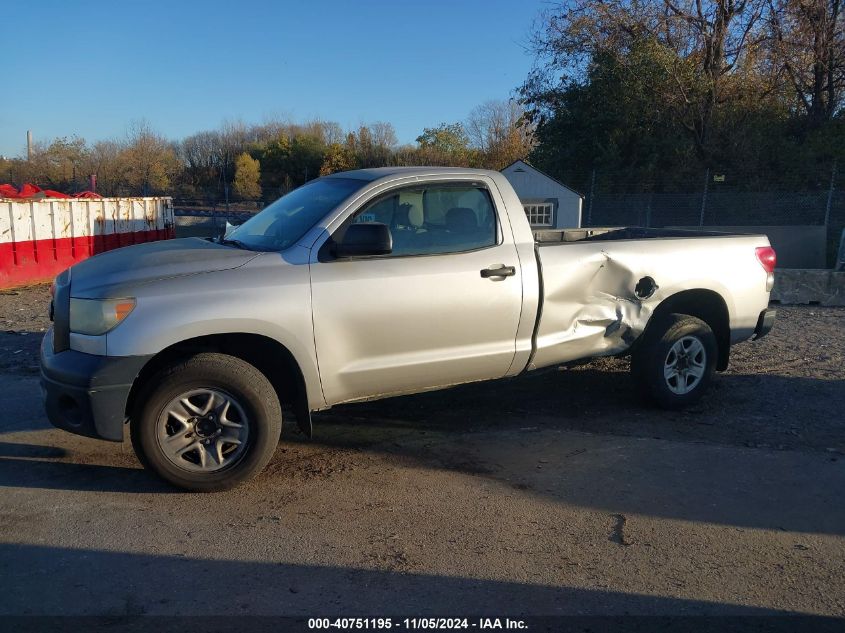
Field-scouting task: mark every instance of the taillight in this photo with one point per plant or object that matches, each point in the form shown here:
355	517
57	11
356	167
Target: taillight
767	257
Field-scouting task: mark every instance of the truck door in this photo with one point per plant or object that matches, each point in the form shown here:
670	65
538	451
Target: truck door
442	308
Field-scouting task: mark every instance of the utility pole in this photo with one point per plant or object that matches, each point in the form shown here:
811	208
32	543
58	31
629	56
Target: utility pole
704	196
592	195
29	144
225	181
830	194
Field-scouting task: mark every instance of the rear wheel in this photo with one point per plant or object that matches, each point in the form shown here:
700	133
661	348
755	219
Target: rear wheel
674	363
207	423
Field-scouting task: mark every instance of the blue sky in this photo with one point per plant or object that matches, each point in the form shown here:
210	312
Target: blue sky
90	68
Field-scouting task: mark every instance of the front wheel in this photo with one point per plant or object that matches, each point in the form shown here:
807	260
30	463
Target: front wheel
675	361
207	423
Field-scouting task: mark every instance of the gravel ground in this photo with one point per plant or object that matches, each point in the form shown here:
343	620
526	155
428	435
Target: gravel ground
24	317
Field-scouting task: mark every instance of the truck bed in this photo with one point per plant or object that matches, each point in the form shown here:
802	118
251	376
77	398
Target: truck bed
607	234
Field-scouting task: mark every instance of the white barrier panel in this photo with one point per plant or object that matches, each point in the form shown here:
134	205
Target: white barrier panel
40	238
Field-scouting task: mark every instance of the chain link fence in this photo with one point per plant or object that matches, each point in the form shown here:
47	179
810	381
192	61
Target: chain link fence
717	199
613	198
207	217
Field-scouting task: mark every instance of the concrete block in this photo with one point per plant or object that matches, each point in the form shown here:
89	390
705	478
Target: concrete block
822	287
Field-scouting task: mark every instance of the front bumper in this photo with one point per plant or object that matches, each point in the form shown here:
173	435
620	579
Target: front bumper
86	394
764	323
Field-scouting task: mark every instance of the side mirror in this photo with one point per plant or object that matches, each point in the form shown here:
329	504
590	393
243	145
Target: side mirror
368	238
229	228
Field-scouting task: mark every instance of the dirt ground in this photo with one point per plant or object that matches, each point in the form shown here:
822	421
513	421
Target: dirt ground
555	493
24	317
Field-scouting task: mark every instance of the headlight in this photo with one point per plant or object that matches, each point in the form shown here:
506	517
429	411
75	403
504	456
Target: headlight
98	316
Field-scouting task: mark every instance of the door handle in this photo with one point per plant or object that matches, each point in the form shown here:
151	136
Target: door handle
501	271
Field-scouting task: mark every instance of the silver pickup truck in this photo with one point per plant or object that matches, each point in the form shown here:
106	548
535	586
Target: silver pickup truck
373	283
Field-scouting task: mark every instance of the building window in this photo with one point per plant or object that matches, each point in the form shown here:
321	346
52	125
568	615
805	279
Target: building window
539	214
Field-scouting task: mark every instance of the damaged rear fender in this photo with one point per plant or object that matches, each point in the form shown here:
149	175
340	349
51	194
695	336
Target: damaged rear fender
600	303
707	305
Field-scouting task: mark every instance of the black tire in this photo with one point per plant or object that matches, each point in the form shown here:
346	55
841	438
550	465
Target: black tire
256	414
652	356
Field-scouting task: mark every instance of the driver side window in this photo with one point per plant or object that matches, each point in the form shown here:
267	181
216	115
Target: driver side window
435	219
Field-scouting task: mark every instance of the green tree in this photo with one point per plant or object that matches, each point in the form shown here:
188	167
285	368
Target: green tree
446	138
446	144
695	51
338	158
58	165
305	159
274	157
612	122
289	161
247	177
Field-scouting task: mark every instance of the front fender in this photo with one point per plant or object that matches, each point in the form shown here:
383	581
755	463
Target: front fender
273	301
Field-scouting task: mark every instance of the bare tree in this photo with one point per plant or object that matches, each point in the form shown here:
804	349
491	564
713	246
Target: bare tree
501	132
383	135
332	133
150	160
711	38
328	132
200	152
104	161
373	144
808	45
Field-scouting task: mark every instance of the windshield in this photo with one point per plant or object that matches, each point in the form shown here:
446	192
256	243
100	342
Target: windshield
282	223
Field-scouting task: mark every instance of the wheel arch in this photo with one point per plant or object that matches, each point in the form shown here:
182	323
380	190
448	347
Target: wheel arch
707	305
267	355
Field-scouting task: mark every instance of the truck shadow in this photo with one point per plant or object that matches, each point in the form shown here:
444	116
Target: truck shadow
558	446
762	411
574	436
43	466
57	475
121	588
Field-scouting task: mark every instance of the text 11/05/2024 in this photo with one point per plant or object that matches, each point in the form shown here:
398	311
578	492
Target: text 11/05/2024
428	624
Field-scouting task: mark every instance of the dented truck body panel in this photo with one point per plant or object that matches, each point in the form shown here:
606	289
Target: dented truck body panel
370	327
591	304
